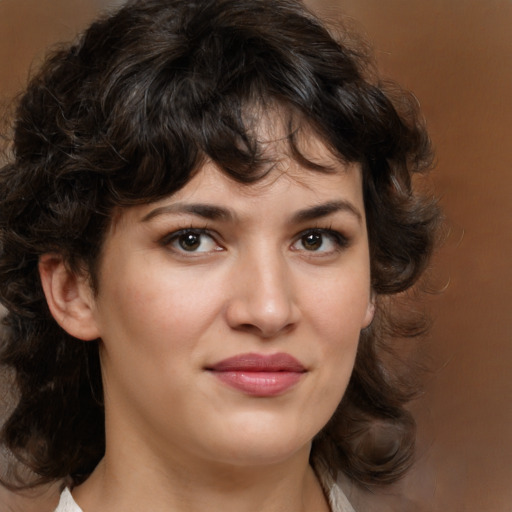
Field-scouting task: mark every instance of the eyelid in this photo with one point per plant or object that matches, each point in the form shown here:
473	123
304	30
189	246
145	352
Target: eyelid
338	238
169	238
333	236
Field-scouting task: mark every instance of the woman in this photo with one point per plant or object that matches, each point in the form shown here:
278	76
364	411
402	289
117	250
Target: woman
207	209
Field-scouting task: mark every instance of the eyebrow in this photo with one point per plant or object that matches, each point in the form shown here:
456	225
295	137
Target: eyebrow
205	211
212	212
326	209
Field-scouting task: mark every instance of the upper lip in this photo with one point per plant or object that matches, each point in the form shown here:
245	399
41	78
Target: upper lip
251	362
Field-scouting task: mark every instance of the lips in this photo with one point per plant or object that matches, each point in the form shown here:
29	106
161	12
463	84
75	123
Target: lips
259	375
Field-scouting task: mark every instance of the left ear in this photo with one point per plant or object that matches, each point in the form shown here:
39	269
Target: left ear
69	297
370	311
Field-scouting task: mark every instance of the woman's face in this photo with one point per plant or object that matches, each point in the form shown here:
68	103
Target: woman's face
230	314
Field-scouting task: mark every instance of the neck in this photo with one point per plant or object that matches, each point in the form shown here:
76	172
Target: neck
286	486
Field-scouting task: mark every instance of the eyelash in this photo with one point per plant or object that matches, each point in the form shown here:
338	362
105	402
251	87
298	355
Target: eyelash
340	241
337	238
168	239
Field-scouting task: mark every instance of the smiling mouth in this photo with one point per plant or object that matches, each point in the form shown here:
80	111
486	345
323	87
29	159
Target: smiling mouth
259	375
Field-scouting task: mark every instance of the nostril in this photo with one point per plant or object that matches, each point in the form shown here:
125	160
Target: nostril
266	332
249	328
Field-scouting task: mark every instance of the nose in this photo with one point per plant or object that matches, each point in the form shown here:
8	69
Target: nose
263	300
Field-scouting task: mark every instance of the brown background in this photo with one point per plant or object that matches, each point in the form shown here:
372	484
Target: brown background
456	55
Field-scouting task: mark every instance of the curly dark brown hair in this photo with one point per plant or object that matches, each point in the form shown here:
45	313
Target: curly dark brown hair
126	115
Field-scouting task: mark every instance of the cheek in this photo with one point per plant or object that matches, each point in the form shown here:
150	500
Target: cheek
152	323
340	306
159	310
337	311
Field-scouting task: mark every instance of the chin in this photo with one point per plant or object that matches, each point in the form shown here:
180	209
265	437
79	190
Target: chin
258	456
260	443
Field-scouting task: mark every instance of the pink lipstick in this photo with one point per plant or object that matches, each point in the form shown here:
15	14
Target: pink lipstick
259	375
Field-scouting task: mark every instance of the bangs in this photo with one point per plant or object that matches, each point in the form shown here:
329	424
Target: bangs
244	137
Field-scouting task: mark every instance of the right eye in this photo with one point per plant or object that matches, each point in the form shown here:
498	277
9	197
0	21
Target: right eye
191	241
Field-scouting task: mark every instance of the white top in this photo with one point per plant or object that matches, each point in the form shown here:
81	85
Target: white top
338	502
67	503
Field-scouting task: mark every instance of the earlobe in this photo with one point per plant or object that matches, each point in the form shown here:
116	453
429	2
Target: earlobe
370	311
69	297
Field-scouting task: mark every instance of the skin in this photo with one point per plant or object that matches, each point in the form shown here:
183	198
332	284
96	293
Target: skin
272	273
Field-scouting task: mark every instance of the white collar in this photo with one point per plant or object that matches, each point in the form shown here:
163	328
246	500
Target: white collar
338	501
67	503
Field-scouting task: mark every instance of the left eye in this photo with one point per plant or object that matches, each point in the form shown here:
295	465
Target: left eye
191	240
319	241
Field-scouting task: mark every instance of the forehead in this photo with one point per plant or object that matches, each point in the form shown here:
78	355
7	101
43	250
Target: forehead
290	153
284	195
295	166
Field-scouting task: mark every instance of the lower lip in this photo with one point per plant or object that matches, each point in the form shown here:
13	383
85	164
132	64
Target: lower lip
259	383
